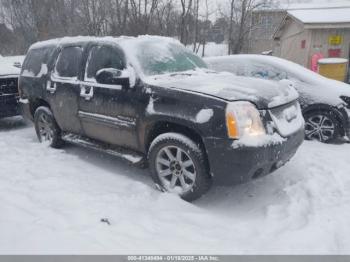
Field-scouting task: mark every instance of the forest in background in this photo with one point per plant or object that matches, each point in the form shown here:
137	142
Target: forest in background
23	22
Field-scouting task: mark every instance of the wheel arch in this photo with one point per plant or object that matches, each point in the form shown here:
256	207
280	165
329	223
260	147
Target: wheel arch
35	104
328	108
162	127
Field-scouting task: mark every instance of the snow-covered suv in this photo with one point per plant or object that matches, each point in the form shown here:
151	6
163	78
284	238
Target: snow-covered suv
9	72
151	101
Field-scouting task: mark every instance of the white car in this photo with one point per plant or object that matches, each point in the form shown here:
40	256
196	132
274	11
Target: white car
325	103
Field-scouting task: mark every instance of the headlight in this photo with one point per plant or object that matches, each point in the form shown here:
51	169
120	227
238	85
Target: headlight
243	119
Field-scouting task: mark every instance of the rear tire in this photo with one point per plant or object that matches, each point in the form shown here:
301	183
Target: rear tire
179	166
322	126
46	127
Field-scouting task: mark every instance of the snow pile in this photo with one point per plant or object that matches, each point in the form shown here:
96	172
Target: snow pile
333	60
305	81
55	202
289	94
264	93
204	116
292	5
258	141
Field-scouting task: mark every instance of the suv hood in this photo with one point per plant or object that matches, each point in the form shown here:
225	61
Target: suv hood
263	93
8	66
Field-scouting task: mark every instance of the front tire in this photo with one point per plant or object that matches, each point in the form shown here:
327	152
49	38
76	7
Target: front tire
321	126
46	127
179	166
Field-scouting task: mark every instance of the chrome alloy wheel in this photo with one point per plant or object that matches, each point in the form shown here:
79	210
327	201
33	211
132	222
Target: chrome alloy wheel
319	127
45	126
175	169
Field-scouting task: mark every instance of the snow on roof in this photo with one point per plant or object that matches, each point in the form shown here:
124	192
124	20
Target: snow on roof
128	44
322	15
333	61
316	5
120	39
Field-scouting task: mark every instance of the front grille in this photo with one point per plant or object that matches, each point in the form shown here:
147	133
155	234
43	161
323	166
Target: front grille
8	86
287	119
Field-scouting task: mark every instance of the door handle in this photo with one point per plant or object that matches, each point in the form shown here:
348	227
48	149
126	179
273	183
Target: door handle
51	87
87	92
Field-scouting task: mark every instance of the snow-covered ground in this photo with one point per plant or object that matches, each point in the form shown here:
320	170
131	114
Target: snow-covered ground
52	201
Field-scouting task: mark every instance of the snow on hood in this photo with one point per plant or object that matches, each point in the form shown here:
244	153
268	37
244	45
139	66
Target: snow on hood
263	93
7	65
327	91
311	86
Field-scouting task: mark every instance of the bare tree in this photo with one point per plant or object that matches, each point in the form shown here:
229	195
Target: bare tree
239	20
119	11
188	20
186	6
231	23
94	16
196	29
141	15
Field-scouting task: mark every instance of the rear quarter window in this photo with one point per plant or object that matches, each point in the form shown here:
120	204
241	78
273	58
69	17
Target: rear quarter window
35	63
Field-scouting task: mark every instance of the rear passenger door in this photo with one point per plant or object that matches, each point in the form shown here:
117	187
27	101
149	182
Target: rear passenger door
107	112
63	89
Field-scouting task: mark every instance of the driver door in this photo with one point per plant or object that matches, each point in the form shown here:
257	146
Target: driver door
107	112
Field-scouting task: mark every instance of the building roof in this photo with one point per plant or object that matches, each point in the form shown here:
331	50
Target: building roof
322	15
316	18
316	5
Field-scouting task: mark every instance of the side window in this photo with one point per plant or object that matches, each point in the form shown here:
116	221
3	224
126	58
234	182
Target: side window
68	62
103	57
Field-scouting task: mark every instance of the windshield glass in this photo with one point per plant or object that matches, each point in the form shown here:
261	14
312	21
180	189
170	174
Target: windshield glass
160	58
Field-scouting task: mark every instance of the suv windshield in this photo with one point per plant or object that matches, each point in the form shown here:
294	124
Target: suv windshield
161	58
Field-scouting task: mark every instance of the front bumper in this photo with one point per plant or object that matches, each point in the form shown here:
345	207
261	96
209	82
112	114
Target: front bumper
231	165
8	106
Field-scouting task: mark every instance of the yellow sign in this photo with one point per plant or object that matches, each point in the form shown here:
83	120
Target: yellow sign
335	40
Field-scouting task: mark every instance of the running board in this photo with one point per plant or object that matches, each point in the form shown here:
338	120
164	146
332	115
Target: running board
130	156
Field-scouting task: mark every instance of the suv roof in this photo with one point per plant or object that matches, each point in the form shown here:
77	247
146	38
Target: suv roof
108	39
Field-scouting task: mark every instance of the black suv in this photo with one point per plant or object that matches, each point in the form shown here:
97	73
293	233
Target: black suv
9	72
152	102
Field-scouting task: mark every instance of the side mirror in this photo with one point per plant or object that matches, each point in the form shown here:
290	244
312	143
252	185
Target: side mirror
111	76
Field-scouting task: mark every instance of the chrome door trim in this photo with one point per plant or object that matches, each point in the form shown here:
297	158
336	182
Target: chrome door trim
107	120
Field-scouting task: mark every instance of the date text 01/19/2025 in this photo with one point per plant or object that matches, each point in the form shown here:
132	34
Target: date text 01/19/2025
173	258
